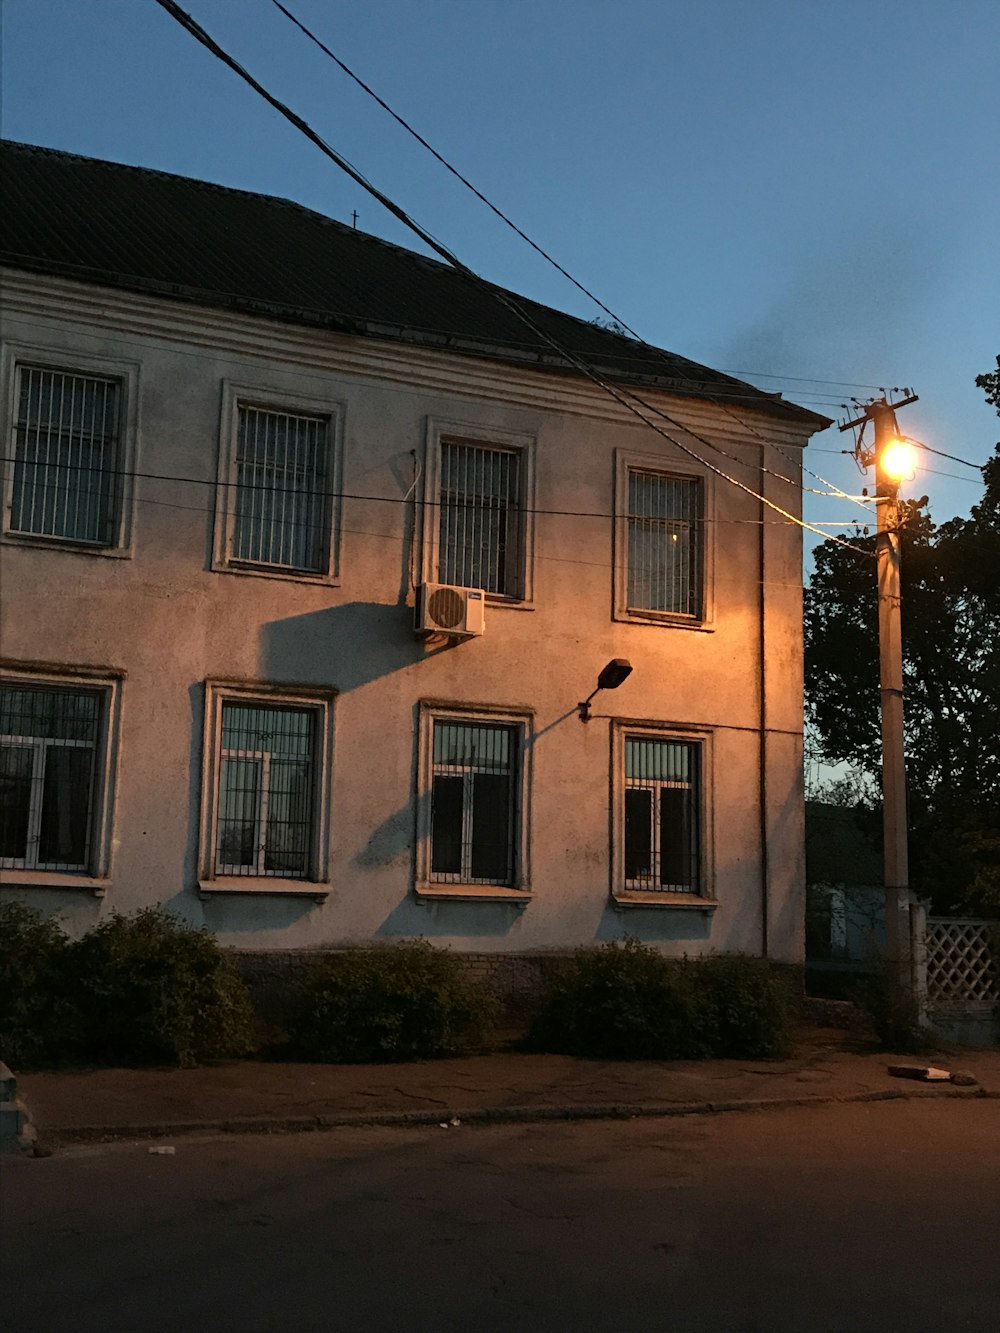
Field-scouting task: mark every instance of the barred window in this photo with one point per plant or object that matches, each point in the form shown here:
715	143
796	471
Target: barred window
480	536
48	761
282	503
265	821
661	827
664	543
473	803
67	473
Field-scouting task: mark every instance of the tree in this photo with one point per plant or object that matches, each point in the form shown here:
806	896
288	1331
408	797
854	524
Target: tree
951	670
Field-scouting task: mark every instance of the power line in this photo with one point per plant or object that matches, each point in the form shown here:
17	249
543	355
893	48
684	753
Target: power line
537	248
505	299
267	489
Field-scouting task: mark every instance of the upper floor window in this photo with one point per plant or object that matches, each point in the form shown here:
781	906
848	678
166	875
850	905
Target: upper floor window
663	562
278	479
67	476
478	528
664	520
479	543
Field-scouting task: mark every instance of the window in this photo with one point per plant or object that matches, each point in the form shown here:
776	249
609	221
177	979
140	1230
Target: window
473	835
479	540
663	543
661	815
662	824
265	822
55	792
663	563
278	479
478	527
66	482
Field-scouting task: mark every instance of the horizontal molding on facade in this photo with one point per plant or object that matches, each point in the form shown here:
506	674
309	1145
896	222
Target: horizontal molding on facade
373	359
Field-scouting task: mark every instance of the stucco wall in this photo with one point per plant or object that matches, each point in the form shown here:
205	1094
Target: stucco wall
166	620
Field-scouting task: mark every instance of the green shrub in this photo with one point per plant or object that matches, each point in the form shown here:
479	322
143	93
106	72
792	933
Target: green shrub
625	1001
750	1006
889	1005
622	1001
32	1011
150	990
406	1001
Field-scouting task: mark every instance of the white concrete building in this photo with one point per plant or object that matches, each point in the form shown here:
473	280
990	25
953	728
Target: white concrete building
241	443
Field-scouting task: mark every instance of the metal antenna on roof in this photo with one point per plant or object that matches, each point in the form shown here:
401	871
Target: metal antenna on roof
354	219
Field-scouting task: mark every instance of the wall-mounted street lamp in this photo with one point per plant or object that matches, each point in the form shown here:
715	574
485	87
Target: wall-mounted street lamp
617	670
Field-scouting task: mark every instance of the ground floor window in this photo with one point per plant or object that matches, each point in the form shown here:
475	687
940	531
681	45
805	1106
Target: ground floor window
267	788
474	773
57	749
661	826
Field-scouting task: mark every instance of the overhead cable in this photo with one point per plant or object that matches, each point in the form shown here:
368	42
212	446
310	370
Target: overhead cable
505	299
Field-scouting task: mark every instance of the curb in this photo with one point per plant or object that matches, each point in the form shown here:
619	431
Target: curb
489	1115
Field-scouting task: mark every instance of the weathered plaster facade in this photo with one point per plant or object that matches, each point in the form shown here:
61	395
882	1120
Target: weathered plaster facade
160	621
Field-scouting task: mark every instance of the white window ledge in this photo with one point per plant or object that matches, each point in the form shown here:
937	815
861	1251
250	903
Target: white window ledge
54	879
691	902
258	884
474	893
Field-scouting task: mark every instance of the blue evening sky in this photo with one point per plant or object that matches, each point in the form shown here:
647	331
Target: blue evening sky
801	193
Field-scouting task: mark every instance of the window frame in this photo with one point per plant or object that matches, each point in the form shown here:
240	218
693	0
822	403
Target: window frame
20	356
333	412
108	685
521	722
627	462
704	898
440	431
316	884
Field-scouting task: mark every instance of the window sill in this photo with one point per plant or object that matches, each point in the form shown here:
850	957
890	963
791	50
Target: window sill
54	879
40	542
691	902
255	885
664	620
497	602
284	575
474	893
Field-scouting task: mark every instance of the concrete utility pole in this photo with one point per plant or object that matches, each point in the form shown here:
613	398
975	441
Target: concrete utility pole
902	925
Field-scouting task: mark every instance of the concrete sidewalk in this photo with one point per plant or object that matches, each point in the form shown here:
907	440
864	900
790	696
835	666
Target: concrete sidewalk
259	1097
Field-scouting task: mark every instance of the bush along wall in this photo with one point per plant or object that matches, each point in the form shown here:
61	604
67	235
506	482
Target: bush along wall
141	989
406	1001
625	1001
33	1008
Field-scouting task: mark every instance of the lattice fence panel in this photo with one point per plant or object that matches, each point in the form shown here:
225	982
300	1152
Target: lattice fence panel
961	971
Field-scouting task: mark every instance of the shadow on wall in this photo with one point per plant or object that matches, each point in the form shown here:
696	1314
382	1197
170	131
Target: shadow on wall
345	646
446	917
654	923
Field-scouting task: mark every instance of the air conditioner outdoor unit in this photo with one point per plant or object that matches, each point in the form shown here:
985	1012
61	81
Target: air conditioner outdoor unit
441	609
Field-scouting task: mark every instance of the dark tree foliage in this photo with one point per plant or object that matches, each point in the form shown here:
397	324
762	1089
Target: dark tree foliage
951	646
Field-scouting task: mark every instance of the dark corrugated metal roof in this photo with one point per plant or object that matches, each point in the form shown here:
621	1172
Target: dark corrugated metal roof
149	231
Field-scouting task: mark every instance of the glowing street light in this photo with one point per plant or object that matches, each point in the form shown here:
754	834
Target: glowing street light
898	460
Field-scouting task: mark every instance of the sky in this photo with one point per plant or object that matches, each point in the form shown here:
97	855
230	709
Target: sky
803	194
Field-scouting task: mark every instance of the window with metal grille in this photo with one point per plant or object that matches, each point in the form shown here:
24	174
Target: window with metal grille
480	532
48	751
664	543
661	819
67	471
265	791
282	504
473	805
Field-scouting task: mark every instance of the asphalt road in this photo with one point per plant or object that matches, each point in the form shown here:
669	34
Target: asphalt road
864	1217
